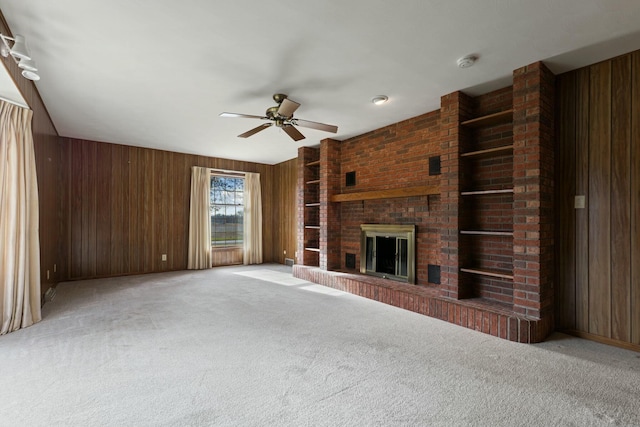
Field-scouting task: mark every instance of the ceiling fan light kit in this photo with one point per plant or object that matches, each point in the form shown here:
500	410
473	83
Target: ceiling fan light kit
16	47
281	115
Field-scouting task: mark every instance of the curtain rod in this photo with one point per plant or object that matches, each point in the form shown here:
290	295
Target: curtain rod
227	172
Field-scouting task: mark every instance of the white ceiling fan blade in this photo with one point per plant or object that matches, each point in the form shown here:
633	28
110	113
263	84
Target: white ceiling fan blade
316	125
287	108
244	116
253	131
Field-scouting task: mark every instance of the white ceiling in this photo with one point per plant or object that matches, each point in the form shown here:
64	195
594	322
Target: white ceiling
158	73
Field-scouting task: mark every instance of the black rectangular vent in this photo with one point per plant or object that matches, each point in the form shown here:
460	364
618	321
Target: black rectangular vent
433	274
434	165
350	260
350	179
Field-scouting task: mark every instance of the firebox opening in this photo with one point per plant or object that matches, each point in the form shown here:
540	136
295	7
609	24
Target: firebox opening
388	251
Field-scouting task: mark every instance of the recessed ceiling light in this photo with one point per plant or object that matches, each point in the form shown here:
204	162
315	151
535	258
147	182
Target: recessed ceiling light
380	99
467	61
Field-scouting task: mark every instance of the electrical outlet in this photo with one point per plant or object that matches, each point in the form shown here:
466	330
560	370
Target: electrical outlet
579	202
164	257
47	274
55	268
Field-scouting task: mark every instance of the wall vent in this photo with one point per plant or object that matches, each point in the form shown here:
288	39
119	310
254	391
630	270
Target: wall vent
288	261
434	165
350	179
350	260
433	274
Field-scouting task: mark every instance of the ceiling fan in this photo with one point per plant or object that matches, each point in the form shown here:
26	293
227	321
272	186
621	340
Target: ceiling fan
281	115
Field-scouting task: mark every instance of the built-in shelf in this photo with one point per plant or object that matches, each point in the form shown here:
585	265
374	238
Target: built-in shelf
471	193
314	181
312	249
491	273
314	163
387	194
490	119
312	227
488	151
487	233
311	205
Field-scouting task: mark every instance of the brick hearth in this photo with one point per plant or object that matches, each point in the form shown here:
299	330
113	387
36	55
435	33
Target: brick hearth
479	315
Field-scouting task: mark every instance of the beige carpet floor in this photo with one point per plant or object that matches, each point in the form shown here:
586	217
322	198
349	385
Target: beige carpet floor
253	346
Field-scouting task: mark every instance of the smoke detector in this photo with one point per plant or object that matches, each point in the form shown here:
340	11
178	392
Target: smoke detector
467	61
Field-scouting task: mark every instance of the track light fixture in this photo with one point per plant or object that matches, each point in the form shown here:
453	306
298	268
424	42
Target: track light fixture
16	47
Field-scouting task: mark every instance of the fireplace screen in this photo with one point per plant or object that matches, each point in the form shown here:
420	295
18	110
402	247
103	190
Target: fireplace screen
388	251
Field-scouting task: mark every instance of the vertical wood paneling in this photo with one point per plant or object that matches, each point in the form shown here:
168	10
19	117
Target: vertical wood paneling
160	209
607	238
76	208
146	242
284	196
582	188
565	220
600	201
118	180
63	213
85	198
130	205
125	170
620	198
635	198
182	186
103	210
136	210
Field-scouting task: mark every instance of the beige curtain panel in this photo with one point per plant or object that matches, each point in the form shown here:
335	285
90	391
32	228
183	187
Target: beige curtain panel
200	220
19	238
252	219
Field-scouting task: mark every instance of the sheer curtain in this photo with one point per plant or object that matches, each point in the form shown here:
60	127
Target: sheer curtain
252	219
19	228
200	219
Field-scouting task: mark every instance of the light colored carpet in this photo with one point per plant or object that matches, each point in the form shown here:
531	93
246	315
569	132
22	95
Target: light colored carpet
253	346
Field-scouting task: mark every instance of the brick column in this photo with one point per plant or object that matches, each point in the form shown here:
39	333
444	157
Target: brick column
533	174
454	108
329	211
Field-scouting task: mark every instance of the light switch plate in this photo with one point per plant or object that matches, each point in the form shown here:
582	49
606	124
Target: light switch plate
579	202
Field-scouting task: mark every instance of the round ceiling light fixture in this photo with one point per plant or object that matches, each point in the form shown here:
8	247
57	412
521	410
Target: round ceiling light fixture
380	99
467	61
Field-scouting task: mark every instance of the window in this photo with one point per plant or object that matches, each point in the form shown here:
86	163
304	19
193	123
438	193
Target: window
227	210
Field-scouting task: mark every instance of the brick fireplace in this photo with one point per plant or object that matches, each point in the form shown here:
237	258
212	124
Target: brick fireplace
482	218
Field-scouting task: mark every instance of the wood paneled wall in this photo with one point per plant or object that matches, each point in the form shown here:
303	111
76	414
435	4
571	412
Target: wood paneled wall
128	206
47	146
284	214
598	156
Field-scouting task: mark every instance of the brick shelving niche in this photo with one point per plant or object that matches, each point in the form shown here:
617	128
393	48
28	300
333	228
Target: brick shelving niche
486	208
309	206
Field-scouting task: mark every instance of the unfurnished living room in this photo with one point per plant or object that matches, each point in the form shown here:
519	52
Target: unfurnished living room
360	213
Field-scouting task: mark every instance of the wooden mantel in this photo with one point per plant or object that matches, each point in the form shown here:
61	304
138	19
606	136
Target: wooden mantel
426	190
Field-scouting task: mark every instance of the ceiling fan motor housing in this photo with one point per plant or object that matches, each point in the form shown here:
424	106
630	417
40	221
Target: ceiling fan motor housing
272	112
279	97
